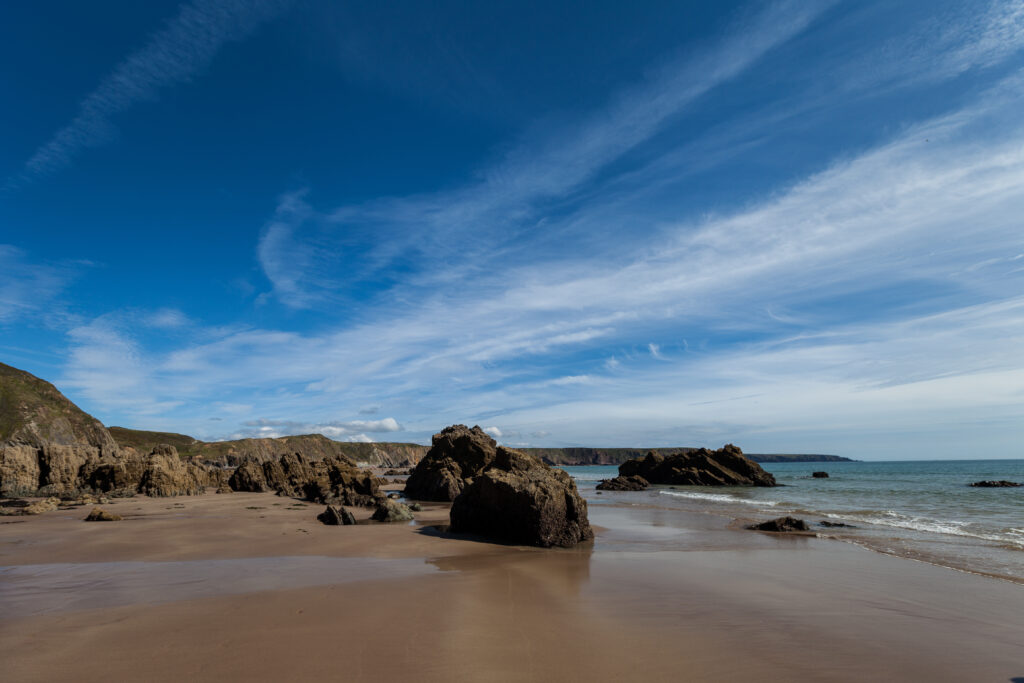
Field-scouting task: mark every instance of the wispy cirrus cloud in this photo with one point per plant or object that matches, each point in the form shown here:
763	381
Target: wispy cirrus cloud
27	286
541	167
176	53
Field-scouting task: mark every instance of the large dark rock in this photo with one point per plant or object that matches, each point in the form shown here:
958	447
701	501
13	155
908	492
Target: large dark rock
820	475
336	516
1001	484
519	499
248	477
631	483
458	454
725	467
781	524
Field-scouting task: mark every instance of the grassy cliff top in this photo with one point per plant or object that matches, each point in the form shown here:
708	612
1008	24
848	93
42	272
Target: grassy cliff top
33	411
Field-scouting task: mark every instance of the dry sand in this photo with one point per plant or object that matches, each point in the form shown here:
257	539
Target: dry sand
206	588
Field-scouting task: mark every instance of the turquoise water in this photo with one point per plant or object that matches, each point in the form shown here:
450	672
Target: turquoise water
919	509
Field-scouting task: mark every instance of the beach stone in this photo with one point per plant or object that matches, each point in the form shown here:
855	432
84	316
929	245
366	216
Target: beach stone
415	507
1001	484
781	524
458	454
703	467
101	515
41	506
519	499
820	475
392	511
336	516
631	483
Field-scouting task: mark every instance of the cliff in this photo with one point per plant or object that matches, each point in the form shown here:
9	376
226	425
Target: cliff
617	456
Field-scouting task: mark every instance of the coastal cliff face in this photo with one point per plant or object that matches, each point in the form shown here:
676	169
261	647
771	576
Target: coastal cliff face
310	446
45	439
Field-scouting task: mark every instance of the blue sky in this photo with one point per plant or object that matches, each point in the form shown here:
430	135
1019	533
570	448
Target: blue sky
796	226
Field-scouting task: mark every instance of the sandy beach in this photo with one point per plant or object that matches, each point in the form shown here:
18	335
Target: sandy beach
251	586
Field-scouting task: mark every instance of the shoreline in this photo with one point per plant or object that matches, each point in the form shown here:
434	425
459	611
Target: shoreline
659	593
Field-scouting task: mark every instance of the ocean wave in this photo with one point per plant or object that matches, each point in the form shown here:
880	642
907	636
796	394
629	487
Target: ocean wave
719	498
952	527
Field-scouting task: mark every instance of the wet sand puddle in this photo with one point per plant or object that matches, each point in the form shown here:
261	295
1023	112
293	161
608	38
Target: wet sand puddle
31	590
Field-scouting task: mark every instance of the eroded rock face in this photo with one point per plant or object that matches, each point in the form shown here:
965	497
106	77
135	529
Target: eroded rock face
164	474
458	454
519	499
631	483
392	511
19	470
781	524
725	467
333	481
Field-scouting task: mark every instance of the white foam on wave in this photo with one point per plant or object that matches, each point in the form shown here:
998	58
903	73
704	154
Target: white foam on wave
719	498
952	527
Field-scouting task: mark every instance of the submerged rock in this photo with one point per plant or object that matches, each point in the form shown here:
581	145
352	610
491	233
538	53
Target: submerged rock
458	454
519	499
101	515
781	524
725	467
392	511
1002	483
336	516
833	525
631	483
820	475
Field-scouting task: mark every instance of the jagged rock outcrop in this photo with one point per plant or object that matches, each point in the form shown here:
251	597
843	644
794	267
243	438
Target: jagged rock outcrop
1001	484
519	499
781	524
336	516
164	474
329	481
392	511
101	515
458	454
631	483
725	467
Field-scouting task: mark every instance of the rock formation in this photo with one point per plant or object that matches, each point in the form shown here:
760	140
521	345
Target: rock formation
631	483
1001	484
336	516
820	475
101	515
725	467
458	454
392	511
781	524
328	481
518	499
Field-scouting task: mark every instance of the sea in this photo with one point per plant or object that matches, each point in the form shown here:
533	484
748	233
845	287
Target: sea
922	510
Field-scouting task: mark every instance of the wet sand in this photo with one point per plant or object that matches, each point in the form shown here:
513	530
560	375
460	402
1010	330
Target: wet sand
215	591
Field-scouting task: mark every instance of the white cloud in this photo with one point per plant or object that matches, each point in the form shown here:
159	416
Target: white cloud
26	287
176	53
493	431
